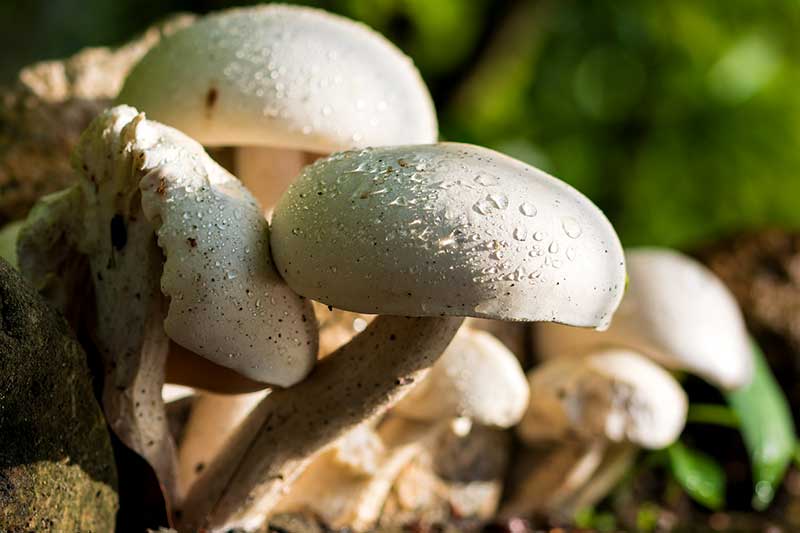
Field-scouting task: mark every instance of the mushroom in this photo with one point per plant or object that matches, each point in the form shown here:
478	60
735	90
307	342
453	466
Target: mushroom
676	312
590	407
279	81
179	256
477	378
611	394
431	231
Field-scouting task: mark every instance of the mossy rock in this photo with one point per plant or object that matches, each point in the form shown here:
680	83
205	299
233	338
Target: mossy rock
56	465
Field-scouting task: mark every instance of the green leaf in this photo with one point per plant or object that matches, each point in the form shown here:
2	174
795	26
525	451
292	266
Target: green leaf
701	476
709	413
767	428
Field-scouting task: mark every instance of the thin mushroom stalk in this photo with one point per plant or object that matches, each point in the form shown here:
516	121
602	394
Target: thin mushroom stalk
433	231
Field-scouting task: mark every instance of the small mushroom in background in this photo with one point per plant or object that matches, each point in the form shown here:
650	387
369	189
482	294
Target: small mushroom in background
592	409
476	379
434	232
178	253
675	311
283	85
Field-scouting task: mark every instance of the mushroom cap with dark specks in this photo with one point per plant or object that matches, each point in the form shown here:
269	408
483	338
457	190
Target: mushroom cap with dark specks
227	302
283	76
447	229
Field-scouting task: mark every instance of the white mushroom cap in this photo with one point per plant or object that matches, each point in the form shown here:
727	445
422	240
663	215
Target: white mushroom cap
675	311
283	76
447	229
615	394
477	377
227	302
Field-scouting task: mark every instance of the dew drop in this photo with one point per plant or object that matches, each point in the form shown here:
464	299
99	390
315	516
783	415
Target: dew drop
571	227
520	233
538	236
571	253
499	200
553	248
482	207
486	180
527	209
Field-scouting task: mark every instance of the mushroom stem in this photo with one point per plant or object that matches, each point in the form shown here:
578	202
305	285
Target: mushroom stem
356	383
559	474
213	419
268	172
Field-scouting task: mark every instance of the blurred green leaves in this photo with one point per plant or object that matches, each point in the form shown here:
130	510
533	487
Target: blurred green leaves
681	119
700	475
767	428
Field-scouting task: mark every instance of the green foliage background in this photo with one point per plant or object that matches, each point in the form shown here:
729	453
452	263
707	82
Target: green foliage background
681	119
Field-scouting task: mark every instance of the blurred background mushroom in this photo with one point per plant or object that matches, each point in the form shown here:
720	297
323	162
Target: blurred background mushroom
676	312
586	410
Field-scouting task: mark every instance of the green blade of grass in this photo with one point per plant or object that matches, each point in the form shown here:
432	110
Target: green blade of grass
698	474
767	429
709	413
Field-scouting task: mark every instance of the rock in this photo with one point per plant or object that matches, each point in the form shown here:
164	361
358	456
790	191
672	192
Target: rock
43	113
57	470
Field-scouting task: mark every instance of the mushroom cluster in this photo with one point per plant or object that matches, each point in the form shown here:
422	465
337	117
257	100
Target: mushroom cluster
601	394
178	271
